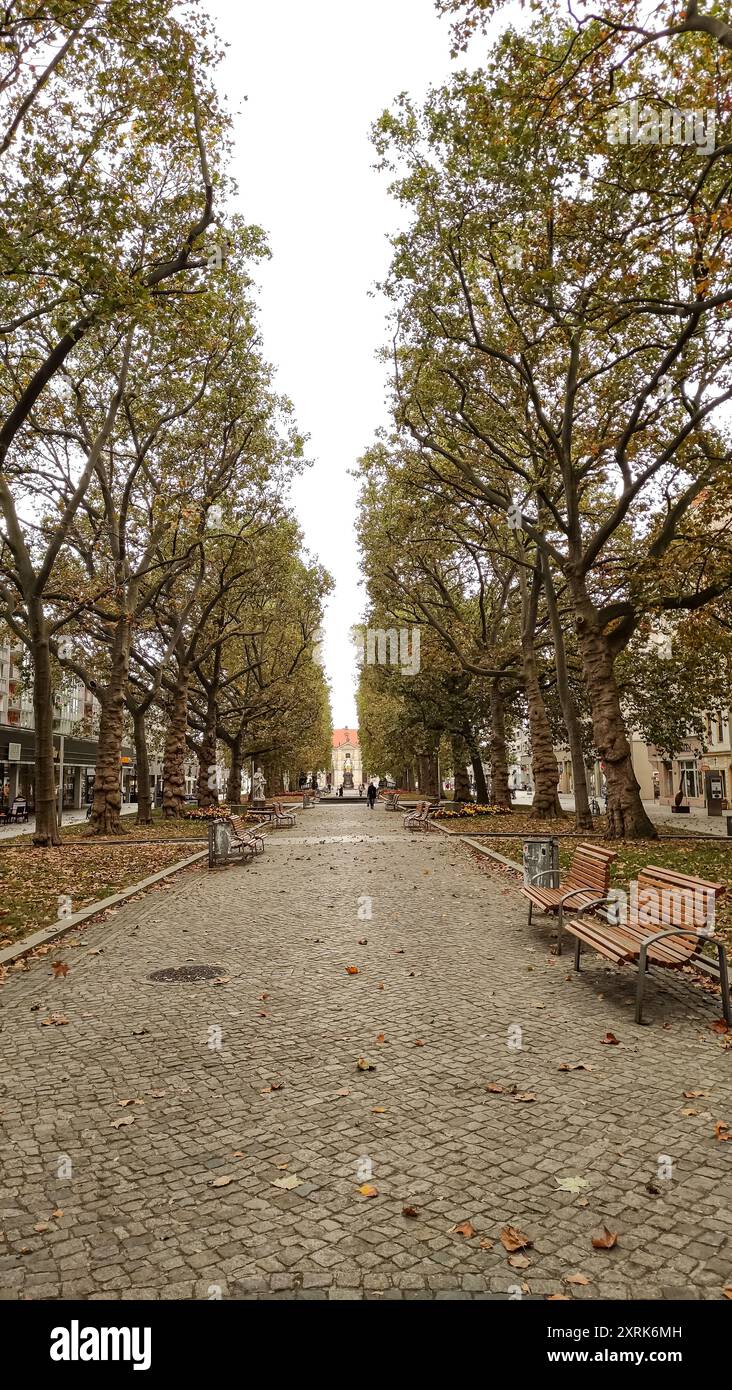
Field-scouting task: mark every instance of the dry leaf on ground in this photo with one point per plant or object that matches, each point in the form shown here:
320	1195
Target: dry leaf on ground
412	1212
512	1239
611	1040
54	1021
367	1190
223	1181
352	970
363	1065
580	1279
575	1066
59	969
464	1228
606	1241
518	1262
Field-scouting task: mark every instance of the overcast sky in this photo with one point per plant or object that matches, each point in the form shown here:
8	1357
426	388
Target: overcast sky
316	74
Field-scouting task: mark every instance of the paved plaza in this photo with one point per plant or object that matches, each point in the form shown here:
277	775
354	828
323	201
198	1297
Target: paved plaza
205	1140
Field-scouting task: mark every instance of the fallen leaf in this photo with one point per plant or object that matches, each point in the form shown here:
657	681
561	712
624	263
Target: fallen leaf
363	1065
558	1298
41	1227
343	1092
238	1153
380	984
352	970
222	980
289	1183
97	951
57	1214
518	1262
571	1184
363	941
378	1110
157	1094
380	1037
720	1026
486	1244
138	1032
580	1279
727	1290
222	1181
59	969
411	1212
583	1202
524	1096
367	1190
123	1120
575	1066
264	996
606	1241
494	1087
722	1130
54	1021
419	1043
512	1239
692	1095
611	1040
464	1228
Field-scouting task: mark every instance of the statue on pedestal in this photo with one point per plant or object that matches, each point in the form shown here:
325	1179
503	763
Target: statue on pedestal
258	786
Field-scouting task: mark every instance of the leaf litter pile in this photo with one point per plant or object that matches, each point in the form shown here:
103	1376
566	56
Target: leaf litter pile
32	880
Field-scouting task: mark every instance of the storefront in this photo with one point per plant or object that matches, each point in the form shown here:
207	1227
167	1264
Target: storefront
17	755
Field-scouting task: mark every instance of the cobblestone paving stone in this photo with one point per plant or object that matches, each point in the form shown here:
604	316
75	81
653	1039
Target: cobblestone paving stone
450	964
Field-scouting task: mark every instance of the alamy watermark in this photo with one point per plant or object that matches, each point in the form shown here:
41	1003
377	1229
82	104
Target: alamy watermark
389	647
633	124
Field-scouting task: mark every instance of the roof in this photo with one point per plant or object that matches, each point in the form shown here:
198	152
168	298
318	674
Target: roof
341	736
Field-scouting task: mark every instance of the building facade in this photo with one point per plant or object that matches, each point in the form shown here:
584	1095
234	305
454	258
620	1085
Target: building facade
346	767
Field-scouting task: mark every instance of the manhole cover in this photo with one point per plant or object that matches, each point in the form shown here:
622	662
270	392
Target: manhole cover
187	974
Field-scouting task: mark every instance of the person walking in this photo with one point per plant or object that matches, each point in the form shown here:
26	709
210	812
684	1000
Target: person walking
371	796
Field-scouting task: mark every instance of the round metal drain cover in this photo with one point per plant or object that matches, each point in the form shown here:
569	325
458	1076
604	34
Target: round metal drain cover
187	974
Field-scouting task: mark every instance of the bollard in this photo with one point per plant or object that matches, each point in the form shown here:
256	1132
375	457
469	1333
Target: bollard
541	856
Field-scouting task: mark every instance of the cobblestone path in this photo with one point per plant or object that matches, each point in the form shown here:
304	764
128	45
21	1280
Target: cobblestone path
236	1170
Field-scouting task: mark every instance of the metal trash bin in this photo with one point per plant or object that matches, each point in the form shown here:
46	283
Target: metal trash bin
541	856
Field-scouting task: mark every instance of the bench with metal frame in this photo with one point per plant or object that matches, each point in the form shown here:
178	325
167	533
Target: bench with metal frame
587	884
245	834
680	906
226	848
419	818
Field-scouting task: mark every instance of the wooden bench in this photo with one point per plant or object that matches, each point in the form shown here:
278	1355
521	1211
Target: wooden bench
245	834
587	884
668	920
226	848
419	818
276	813
392	801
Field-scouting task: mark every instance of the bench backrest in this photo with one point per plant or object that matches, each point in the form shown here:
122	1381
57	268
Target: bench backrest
239	826
590	868
18	806
662	898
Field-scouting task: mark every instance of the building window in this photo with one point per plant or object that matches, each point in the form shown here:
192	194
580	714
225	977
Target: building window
688	777
720	729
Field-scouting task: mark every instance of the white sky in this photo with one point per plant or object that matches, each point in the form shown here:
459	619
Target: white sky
316	74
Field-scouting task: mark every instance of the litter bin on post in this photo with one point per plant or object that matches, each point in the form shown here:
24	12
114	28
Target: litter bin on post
541	857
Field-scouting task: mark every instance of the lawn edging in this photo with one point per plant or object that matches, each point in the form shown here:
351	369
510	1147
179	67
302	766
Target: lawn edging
64	924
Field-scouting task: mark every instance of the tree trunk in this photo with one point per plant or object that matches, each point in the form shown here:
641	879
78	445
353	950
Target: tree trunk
500	794
481	786
427	764
144	802
46	831
174	784
233	790
105	816
544	769
460	770
626	813
582	812
207	782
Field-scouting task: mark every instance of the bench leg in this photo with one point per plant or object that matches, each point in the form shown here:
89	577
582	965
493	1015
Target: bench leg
724	981
577	953
531	909
642	970
560	930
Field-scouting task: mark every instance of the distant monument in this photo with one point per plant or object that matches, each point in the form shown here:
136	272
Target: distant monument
348	774
258	786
